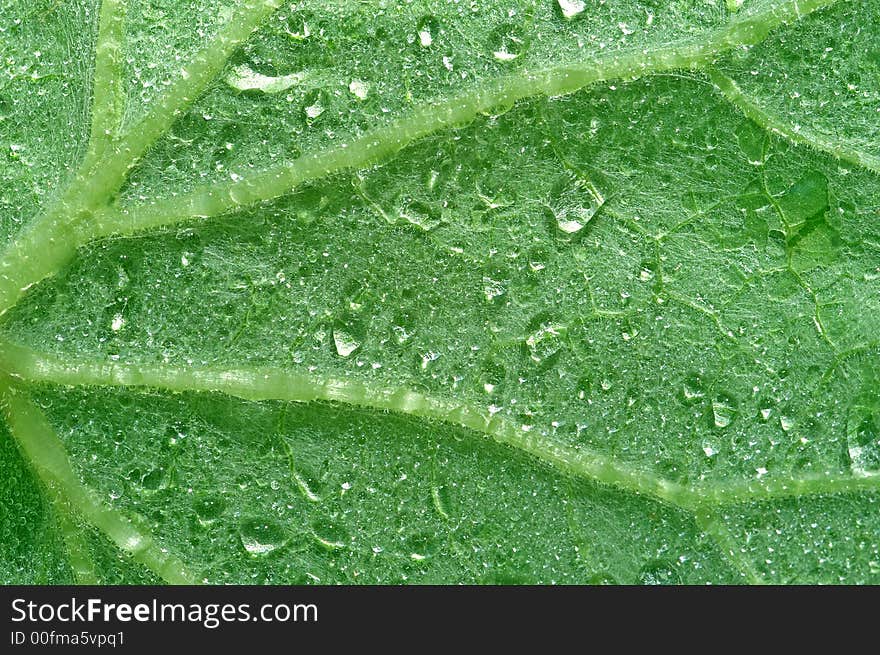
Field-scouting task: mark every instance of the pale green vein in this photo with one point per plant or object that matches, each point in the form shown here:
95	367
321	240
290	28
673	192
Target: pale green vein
45	451
108	94
796	134
266	383
727	492
191	81
380	143
49	242
276	384
81	562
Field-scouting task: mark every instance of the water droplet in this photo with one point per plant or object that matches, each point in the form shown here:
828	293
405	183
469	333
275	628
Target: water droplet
242	78
315	103
508	42
659	572
723	410
693	388
546	341
805	198
863	441
301	30
117	323
429	357
571	8
421	214
209	508
786	423
751	140
154	480
260	537
330	535
492	289
359	89
427	28
493	376
421	545
348	335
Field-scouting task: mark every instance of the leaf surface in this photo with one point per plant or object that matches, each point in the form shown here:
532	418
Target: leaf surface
531	292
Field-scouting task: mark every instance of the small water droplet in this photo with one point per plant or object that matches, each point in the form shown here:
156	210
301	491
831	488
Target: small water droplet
723	410
546	341
348	335
863	441
209	508
659	572
786	423
359	89
117	323
427	29
508	42
330	534
260	537
492	289
315	103
693	388
571	8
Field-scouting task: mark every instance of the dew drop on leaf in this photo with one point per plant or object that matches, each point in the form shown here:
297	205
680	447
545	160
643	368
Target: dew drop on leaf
260	536
315	103
863	441
571	8
154	480
545	342
508	42
659	572
693	388
359	89
209	508
330	534
421	545
348	336
723	410
427	29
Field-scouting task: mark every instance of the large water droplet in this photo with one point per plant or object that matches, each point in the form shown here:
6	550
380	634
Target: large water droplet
571	8
242	78
545	341
428	28
348	335
421	545
723	410
260	537
659	572
694	388
209	508
315	103
421	214
331	534
508	42
359	89
154	480
863	441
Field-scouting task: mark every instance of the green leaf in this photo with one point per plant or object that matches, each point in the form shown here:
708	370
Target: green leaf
531	292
